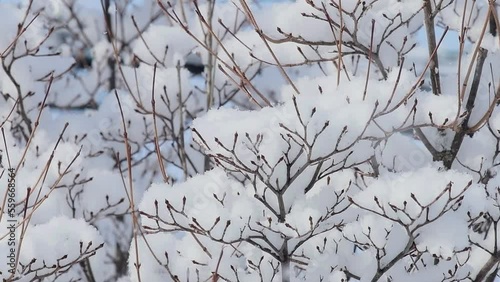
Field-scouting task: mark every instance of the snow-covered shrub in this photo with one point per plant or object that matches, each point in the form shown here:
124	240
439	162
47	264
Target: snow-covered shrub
363	170
324	140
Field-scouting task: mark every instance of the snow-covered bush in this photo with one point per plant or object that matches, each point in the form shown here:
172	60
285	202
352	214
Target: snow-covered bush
323	141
